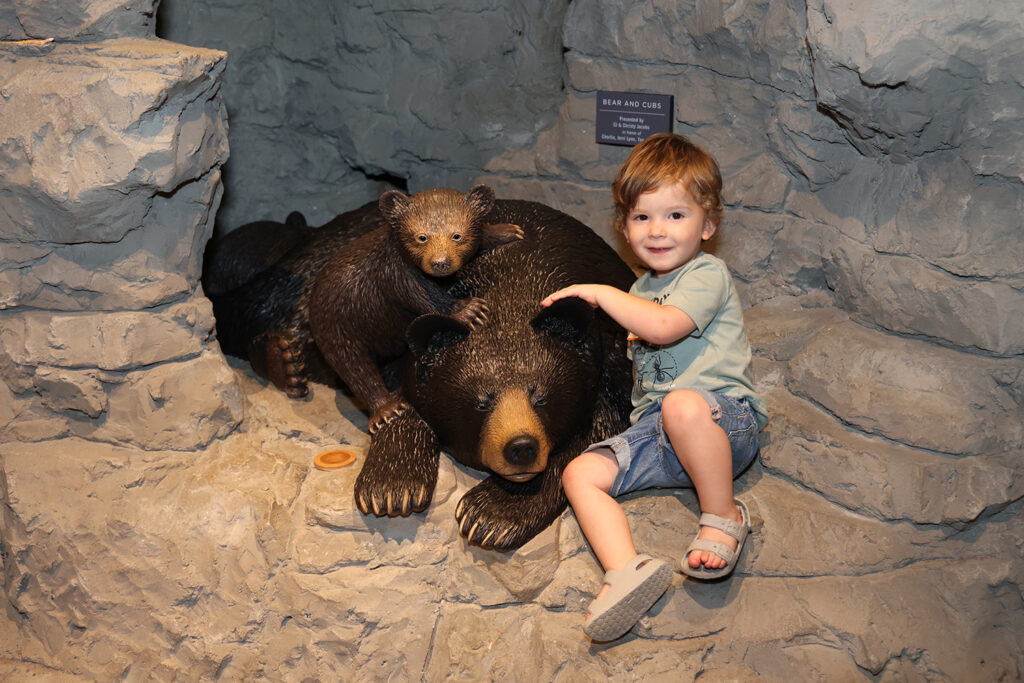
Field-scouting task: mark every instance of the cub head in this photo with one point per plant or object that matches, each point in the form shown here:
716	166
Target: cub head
437	230
502	398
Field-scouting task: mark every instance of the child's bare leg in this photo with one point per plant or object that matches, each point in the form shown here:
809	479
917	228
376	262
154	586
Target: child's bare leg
587	479
703	450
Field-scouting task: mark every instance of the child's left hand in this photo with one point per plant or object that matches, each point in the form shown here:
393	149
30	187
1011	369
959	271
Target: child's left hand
586	292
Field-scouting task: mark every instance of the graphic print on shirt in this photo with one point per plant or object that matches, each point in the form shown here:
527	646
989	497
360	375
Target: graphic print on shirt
654	367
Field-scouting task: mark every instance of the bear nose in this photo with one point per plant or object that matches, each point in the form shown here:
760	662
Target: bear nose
521	451
441	267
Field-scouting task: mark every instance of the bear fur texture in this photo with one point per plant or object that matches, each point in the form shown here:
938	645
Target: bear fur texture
365	294
518	393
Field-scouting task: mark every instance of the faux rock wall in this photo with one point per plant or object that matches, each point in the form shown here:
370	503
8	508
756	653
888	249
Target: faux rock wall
111	179
873	166
330	100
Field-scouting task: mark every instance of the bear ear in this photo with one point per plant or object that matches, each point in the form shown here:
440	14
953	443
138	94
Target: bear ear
394	205
295	220
430	334
480	199
567	319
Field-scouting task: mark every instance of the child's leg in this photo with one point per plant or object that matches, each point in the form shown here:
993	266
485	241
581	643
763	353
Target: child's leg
703	450
587	479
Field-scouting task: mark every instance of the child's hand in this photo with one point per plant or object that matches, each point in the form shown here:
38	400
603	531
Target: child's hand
586	292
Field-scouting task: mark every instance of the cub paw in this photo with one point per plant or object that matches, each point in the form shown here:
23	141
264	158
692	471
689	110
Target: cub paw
277	355
400	471
501	233
472	312
386	413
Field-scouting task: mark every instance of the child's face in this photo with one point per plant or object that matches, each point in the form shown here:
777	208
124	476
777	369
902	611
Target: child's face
666	228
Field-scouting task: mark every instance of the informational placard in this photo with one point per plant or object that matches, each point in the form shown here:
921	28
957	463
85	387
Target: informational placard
626	118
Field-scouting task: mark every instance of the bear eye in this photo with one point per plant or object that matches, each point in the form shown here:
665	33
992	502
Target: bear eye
538	397
457	237
485	401
421	238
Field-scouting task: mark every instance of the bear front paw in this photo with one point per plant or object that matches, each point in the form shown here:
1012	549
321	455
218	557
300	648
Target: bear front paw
497	514
472	312
400	471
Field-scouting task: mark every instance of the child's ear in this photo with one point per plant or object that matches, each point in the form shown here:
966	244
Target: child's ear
709	228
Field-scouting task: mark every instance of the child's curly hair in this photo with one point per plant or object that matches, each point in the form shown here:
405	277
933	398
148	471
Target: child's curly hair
666	159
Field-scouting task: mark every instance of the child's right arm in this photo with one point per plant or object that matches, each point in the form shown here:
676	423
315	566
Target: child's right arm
652	322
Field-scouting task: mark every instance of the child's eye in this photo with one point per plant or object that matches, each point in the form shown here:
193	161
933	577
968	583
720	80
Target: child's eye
639	217
676	215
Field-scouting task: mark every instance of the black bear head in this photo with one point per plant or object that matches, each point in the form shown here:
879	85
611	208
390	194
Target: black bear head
503	397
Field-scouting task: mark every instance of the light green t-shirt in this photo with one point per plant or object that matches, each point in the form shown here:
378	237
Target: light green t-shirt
715	356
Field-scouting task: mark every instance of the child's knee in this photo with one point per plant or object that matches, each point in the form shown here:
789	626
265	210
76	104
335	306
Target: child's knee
684	407
574	474
586	471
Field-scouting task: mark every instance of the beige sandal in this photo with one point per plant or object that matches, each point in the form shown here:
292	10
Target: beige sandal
730	555
633	590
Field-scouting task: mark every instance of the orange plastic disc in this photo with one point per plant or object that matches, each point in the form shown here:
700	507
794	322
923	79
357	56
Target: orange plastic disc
333	459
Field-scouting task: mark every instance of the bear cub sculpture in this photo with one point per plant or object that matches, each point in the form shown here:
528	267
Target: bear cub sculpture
516	392
367	293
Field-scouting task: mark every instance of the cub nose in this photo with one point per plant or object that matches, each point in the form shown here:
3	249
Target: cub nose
440	267
521	450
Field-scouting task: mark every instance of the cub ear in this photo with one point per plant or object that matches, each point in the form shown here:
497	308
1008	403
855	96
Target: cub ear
567	319
394	205
295	220
430	334
480	199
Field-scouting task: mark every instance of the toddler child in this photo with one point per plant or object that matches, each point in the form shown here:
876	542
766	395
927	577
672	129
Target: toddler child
696	416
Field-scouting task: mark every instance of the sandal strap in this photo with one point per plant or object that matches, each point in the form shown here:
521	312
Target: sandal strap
723	524
612	576
718	548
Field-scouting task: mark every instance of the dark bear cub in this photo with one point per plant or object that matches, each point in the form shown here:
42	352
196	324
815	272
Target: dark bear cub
368	292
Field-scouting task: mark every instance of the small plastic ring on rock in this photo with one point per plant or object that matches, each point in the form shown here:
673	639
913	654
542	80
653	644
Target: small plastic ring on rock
334	459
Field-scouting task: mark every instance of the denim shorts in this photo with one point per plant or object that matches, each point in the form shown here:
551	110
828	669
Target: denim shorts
645	456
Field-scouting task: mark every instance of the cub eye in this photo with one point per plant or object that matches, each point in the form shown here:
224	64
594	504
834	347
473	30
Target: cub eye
485	401
457	237
421	238
538	397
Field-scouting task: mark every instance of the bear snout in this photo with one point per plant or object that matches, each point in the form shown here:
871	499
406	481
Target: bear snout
440	267
522	451
513	442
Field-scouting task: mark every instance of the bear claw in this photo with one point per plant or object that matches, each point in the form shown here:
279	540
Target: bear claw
386	414
400	471
473	312
487	516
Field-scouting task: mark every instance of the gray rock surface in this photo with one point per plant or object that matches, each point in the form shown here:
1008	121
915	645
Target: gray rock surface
78	20
243	561
110	182
374	93
160	515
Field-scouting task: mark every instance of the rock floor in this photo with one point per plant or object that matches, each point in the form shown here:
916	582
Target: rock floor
245	562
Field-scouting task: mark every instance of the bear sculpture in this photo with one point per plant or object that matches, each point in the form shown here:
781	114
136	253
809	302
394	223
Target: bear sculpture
518	394
364	295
